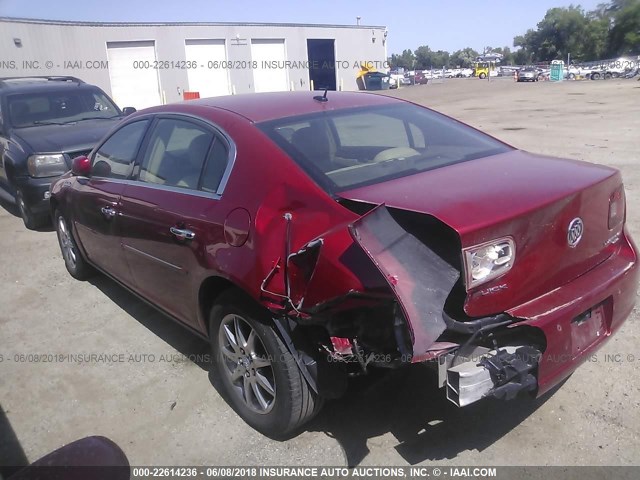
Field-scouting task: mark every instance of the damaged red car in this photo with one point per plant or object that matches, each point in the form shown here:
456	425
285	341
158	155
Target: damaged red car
312	238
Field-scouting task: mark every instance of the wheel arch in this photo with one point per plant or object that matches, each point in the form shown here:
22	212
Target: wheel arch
9	168
210	290
297	342
54	205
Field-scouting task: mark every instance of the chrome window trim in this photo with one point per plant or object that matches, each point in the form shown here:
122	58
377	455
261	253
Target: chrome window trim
231	160
169	188
218	131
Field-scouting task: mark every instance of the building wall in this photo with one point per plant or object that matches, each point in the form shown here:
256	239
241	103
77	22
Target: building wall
80	49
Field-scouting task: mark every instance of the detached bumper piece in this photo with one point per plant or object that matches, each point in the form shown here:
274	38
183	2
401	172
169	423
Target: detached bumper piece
501	373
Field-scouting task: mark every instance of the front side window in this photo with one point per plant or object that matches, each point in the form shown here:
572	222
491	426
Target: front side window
59	107
114	158
344	149
175	154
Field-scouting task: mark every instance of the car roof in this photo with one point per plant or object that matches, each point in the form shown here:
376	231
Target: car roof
40	84
261	107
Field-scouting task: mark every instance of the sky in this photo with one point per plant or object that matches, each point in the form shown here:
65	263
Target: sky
440	24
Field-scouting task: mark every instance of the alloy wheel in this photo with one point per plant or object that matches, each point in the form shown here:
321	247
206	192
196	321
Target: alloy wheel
66	243
247	364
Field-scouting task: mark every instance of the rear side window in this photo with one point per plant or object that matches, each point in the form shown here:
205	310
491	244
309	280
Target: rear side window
175	154
115	157
215	167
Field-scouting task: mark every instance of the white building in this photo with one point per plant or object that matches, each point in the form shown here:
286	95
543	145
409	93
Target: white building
145	64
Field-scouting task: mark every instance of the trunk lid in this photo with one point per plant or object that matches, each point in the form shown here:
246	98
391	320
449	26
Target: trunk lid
530	198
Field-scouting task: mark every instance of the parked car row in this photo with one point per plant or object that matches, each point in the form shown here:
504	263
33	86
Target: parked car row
421	77
621	68
312	238
526	74
618	69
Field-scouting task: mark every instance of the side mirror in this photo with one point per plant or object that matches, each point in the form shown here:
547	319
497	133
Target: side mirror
81	166
128	111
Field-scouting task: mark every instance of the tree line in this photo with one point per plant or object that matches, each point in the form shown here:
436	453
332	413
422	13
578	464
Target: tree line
609	31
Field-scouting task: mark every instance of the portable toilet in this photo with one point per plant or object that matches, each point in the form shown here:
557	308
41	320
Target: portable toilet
557	71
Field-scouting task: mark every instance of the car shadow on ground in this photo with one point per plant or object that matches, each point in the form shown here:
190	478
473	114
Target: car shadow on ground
185	342
406	403
12	209
12	457
9	207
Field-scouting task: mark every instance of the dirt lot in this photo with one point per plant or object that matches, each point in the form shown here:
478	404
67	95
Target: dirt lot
164	410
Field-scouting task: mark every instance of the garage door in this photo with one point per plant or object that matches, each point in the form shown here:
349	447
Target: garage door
208	79
269	79
132	83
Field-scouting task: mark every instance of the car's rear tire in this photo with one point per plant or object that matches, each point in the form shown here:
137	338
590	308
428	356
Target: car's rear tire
75	263
30	219
482	76
258	374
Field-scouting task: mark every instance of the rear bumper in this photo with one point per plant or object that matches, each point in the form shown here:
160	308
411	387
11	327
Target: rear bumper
35	192
611	284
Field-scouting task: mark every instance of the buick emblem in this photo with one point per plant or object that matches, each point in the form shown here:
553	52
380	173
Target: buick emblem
574	232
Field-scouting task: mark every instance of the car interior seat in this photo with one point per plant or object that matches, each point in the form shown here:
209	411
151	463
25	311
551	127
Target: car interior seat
313	143
191	168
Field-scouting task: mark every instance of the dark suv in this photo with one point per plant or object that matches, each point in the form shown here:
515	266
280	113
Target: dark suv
44	123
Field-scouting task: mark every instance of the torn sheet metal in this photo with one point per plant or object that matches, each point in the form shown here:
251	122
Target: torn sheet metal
390	264
301	266
420	279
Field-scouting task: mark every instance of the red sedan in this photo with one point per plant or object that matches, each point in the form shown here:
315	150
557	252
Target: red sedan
313	238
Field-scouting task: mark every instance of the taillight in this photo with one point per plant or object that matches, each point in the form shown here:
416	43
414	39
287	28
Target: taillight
617	207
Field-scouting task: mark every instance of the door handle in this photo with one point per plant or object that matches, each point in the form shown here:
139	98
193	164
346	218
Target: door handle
108	212
182	233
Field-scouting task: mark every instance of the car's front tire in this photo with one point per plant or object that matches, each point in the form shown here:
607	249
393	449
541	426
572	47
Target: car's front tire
258	374
75	263
30	219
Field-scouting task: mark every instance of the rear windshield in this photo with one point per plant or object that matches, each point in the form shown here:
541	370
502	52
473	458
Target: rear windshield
59	107
350	148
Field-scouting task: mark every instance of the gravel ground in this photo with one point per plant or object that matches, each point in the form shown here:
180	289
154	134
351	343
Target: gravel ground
161	408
